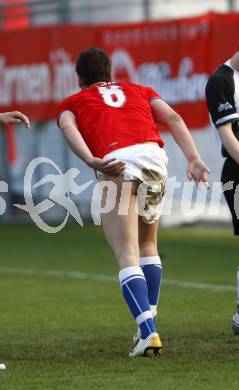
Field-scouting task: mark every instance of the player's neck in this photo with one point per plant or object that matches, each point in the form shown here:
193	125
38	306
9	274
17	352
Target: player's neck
83	86
100	82
235	61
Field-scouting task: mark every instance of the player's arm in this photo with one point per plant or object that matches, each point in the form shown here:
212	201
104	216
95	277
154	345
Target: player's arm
229	141
7	118
76	142
221	106
164	114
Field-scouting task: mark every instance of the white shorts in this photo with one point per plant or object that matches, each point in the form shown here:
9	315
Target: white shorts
147	164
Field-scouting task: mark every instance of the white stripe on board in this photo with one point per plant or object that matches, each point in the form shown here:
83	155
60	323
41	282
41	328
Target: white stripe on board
110	278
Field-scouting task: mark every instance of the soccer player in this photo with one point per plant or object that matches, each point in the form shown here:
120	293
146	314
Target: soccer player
222	94
112	127
7	118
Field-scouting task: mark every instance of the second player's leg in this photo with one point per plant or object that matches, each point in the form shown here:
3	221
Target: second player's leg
150	261
230	173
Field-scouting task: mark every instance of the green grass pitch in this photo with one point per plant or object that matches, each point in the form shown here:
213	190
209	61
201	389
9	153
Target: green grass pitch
61	331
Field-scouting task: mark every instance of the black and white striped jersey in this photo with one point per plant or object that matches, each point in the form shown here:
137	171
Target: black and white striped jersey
222	95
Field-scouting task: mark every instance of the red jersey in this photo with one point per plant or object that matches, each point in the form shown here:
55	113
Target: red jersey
113	115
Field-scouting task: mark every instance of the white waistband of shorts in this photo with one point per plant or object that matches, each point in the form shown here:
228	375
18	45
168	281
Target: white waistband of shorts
137	148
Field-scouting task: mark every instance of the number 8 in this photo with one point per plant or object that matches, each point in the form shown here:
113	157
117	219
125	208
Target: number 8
113	96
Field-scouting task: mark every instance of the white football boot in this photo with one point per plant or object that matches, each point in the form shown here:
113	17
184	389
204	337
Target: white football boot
136	337
149	347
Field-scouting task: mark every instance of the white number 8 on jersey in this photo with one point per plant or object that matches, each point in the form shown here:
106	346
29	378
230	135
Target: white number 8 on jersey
113	96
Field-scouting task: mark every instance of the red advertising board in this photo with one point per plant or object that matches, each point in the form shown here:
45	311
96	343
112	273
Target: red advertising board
174	57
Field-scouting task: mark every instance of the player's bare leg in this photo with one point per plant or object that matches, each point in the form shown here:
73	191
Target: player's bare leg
122	234
148	237
122	230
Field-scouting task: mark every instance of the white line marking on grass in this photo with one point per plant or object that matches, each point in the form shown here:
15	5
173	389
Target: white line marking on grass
202	286
110	278
56	273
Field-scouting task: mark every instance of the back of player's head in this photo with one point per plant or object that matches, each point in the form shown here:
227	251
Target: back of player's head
93	65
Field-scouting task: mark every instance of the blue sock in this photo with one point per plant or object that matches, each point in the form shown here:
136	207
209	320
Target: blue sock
135	292
152	269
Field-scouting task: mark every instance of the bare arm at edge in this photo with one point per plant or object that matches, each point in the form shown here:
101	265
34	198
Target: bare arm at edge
12	117
229	141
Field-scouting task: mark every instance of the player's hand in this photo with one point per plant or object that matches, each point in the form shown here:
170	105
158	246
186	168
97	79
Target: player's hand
7	118
198	172
109	167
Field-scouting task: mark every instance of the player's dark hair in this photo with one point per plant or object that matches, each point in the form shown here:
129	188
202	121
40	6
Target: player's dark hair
93	65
